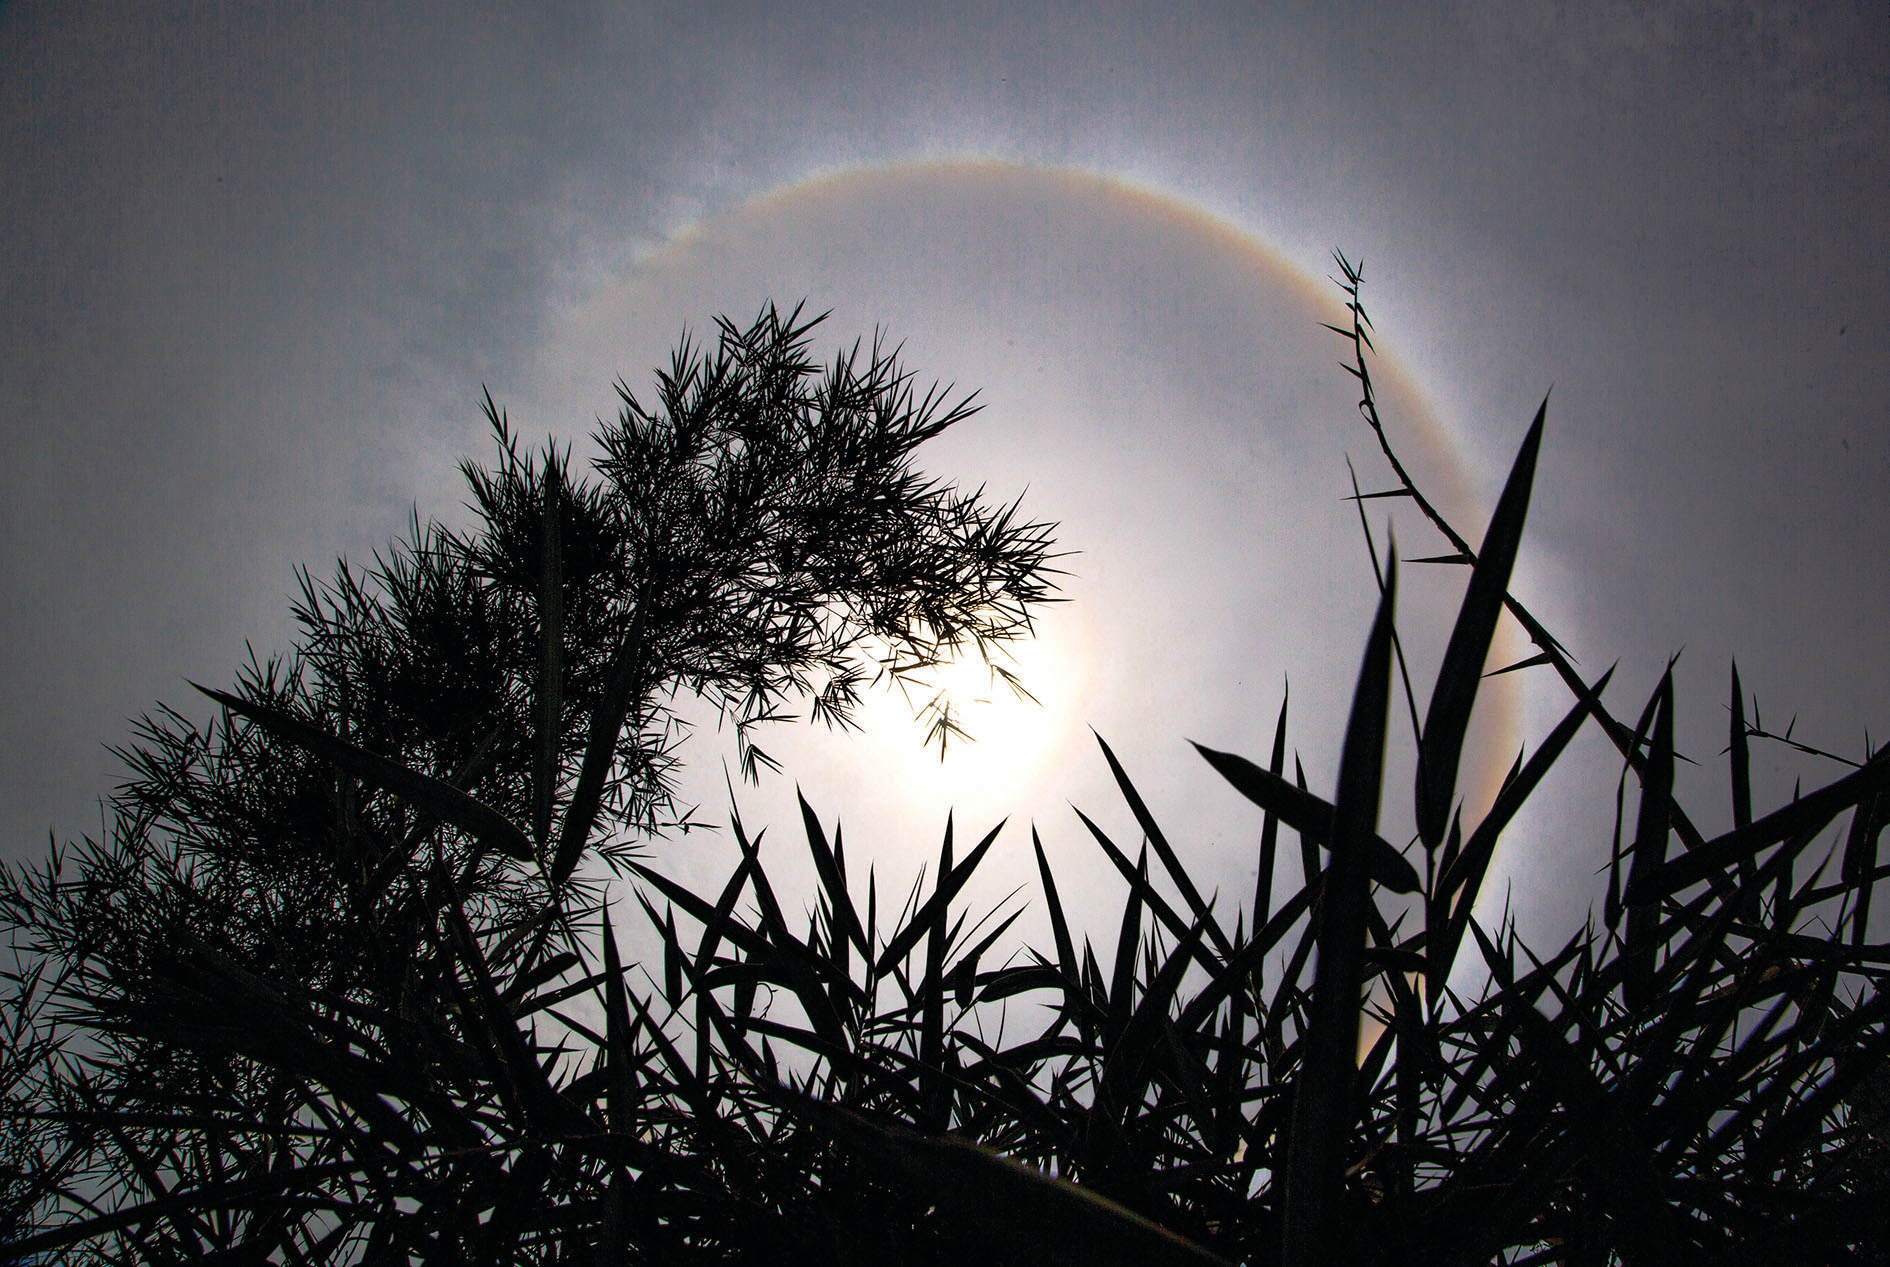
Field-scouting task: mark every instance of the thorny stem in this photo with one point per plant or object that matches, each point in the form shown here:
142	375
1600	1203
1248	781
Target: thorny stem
1755	731
1551	649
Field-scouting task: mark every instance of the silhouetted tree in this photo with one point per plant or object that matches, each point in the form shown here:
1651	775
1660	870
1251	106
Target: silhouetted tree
327	992
306	959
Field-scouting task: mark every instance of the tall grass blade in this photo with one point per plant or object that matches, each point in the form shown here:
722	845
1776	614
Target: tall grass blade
1184	884
1461	881
1322	1109
828	865
1308	845
1128	945
1805	815
1059	925
1270	824
1741	758
932	1087
944	892
1649	854
1440	747
1137	878
718	921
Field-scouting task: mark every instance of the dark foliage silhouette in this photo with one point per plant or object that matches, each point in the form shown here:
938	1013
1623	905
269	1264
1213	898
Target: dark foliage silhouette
306	1003
307	960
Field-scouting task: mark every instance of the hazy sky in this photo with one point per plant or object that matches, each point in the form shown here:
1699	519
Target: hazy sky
257	261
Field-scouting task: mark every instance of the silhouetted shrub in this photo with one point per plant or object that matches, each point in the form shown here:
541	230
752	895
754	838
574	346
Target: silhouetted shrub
330	990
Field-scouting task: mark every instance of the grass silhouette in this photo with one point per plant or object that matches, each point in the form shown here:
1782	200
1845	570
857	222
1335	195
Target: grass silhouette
332	994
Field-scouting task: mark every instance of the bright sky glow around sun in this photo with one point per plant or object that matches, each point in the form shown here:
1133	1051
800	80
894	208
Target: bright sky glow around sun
260	265
1009	740
257	273
1154	380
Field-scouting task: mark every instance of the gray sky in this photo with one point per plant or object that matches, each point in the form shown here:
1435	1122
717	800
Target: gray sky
256	262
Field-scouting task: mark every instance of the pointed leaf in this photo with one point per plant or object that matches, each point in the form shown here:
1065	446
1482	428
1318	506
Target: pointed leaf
946	889
478	820
1440	749
1270	827
1323	1113
1183	882
827	866
1649	853
1808	813
1741	758
1059	926
1310	816
1462	877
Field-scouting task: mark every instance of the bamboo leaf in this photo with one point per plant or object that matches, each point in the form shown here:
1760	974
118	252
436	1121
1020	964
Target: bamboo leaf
827	867
1184	884
1741	759
1128	945
1530	662
717	923
1270	826
1012	1208
933	1089
1649	852
1137	878
1440	748
943	893
1805	815
480	821
1461	879
1322	1110
550	693
1059	926
1310	816
621	1091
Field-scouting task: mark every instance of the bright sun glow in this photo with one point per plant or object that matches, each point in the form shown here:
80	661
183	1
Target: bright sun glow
1202	490
996	739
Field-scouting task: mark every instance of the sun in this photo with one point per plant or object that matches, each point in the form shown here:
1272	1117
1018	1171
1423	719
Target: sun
1157	383
992	719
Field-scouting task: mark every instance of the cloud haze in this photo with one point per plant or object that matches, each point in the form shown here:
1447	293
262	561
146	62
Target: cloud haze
257	262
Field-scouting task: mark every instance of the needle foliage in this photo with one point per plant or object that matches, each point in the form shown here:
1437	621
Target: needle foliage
330	990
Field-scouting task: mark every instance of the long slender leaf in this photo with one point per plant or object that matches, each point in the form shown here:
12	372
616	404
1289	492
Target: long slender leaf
943	893
1008	1206
1270	826
1457	888
1165	852
483	823
1310	816
550	693
1322	1109
1440	748
1806	814
1741	760
831	878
